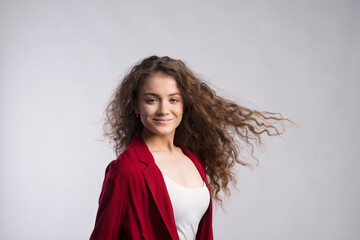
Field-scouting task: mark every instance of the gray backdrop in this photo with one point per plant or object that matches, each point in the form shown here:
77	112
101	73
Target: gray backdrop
61	60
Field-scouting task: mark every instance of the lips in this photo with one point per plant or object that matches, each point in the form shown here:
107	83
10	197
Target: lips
162	120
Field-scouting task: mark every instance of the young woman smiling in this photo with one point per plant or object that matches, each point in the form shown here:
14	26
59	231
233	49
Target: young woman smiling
171	134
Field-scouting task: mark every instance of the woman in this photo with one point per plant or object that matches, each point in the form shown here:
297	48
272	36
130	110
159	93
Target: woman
171	132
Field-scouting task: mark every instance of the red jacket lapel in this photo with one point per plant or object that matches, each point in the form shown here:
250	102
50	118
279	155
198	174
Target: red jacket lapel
156	184
203	232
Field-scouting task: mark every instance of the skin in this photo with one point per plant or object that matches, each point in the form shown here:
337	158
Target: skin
160	107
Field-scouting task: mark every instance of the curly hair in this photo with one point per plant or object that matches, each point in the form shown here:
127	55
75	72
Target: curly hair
216	129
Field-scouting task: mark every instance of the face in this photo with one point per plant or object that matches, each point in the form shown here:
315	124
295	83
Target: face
160	105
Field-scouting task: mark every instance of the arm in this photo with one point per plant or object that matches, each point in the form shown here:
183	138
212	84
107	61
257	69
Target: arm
108	218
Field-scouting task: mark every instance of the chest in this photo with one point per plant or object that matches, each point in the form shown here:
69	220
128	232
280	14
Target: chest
179	168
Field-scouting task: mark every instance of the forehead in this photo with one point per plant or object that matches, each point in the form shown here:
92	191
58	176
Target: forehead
159	83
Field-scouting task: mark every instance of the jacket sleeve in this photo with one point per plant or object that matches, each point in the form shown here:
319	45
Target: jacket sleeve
108	218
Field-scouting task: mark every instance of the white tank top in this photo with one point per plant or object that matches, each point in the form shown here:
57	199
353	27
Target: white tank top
189	205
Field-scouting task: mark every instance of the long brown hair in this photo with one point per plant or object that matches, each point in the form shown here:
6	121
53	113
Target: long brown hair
216	129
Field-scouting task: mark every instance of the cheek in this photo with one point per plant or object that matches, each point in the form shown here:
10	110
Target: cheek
147	110
179	111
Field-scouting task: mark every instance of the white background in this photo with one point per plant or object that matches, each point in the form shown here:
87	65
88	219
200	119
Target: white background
61	60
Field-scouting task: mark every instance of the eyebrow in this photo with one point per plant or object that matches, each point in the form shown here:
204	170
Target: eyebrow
157	95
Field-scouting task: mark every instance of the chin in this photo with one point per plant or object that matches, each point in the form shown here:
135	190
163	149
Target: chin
160	131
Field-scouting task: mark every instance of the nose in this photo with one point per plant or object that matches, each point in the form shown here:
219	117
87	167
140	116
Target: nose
163	108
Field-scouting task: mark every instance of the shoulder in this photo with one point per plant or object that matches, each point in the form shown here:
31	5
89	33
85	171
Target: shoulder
123	167
193	156
189	153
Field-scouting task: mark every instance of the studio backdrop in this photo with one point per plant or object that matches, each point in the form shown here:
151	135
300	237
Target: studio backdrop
60	62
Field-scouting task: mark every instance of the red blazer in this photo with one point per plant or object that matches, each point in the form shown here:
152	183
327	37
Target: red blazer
134	202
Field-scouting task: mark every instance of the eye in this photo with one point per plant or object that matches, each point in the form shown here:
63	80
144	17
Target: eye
151	100
174	100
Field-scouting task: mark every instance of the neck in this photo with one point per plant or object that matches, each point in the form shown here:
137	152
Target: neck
158	143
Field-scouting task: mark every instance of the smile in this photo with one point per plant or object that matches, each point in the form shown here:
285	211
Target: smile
162	120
